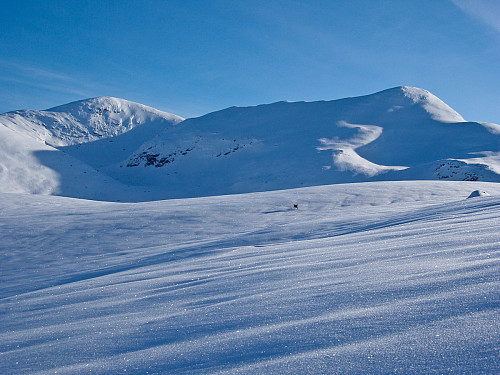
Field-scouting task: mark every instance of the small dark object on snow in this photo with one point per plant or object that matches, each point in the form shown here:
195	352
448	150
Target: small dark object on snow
478	193
295	206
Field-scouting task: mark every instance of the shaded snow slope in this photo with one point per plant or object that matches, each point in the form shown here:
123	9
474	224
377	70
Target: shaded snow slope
478	193
378	278
400	133
29	166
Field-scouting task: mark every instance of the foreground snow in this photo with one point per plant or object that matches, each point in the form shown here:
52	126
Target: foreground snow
390	277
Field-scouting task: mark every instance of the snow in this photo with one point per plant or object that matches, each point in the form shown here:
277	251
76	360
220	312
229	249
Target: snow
384	277
439	110
397	134
491	160
85	131
329	237
345	158
29	166
478	193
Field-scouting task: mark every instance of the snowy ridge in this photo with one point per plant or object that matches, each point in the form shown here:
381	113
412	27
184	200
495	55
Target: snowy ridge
85	121
403	133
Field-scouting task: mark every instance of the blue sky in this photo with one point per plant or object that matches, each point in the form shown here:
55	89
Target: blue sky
193	57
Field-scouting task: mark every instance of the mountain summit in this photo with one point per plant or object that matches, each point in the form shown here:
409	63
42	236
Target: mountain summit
402	133
85	120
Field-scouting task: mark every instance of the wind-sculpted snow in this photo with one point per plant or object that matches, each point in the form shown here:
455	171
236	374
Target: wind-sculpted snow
345	157
375	278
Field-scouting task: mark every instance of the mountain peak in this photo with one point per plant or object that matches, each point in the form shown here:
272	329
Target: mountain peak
109	104
86	120
91	101
438	109
409	96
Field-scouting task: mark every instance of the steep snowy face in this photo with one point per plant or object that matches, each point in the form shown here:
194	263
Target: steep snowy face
85	121
399	133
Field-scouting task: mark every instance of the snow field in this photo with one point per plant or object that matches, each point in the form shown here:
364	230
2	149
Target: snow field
386	277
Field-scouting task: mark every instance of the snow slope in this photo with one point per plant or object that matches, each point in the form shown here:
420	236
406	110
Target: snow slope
29	166
397	134
375	278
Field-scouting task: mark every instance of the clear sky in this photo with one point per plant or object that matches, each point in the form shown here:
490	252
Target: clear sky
193	57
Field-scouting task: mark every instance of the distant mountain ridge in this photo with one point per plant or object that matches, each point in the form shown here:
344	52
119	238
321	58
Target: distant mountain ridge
403	133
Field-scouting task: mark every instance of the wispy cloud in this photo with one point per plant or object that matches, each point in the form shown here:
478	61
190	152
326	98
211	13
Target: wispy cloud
486	11
50	86
35	71
41	78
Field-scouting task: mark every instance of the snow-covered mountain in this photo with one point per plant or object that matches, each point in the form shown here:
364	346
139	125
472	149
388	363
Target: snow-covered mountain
31	160
403	133
86	120
397	134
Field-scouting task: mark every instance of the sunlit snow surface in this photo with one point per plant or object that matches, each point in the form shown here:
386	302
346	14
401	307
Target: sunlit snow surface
375	278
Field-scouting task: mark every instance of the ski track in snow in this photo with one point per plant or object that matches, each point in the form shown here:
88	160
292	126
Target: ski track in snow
376	278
